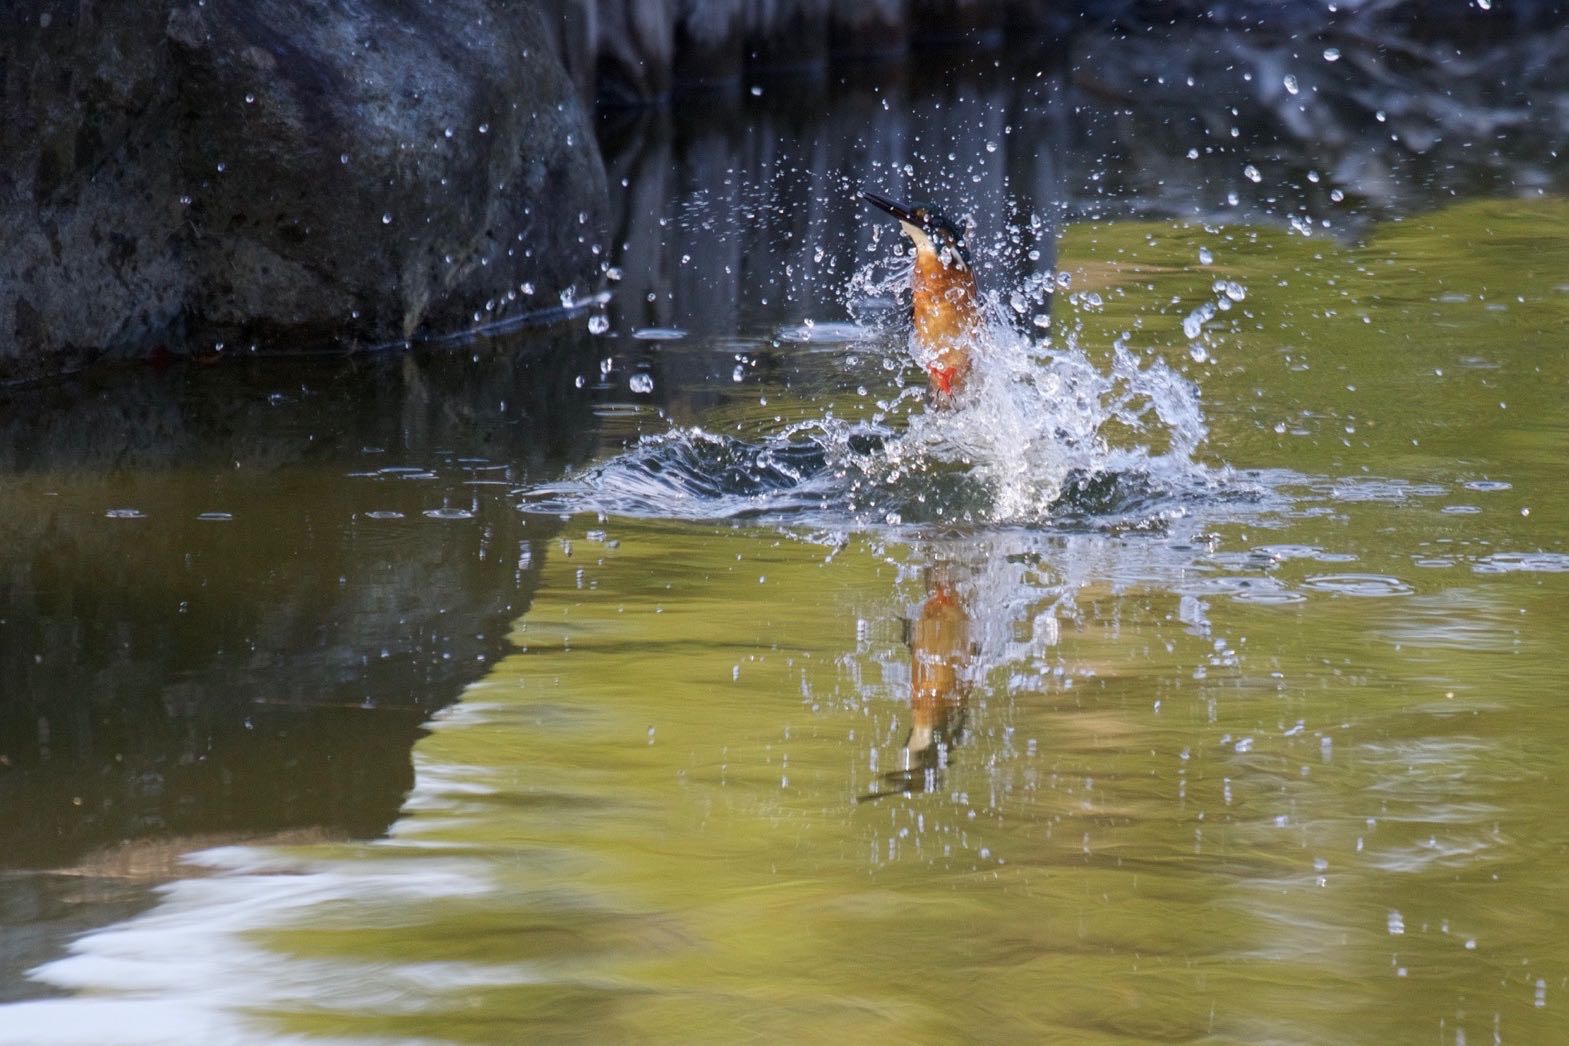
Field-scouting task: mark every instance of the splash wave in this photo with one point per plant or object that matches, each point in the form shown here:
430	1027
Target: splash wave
1040	435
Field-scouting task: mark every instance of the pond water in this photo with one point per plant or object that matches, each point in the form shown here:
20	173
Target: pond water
685	674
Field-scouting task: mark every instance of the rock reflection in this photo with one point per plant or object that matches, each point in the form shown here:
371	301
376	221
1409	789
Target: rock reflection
170	675
740	213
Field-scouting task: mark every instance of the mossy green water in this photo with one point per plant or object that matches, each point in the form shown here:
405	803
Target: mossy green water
1283	770
1180	813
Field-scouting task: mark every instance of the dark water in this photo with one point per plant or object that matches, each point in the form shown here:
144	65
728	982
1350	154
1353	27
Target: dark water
1236	718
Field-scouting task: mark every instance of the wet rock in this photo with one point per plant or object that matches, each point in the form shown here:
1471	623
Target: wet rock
262	172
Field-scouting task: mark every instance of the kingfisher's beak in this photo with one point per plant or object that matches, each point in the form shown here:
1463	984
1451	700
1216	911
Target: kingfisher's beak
899	210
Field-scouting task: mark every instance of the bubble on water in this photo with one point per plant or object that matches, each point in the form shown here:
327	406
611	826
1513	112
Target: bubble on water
1193	322
641	382
1231	289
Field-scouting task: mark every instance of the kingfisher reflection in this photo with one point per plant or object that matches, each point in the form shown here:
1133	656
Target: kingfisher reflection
942	654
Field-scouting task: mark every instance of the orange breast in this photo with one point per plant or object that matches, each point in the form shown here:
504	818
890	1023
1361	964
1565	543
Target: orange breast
947	316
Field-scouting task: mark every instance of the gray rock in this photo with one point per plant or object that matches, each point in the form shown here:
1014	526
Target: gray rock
281	175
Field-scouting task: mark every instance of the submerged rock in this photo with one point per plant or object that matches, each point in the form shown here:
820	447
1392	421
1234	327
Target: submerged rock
266	173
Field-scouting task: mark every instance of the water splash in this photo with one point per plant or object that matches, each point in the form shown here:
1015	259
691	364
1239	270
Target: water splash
1041	433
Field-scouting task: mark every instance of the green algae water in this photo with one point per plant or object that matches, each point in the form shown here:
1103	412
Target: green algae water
744	711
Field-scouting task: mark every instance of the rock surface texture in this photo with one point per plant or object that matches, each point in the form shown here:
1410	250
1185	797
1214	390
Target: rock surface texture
245	172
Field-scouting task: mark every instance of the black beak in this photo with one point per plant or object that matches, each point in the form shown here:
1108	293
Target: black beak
899	210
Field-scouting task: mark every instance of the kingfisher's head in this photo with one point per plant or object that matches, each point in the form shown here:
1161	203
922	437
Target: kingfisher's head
927	226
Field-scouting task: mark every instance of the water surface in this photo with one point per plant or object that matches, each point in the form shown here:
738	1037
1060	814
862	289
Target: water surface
697	680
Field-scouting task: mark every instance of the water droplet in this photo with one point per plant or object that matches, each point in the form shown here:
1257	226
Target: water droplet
1331	54
991	147
250	99
1193	154
484	128
1206	257
386	219
598	323
642	383
1336	195
1290	83
1252	173
757	92
343	157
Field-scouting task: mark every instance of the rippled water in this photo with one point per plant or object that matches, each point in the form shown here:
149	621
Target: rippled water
1197	678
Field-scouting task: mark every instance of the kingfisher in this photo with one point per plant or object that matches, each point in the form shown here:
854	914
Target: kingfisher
942	284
